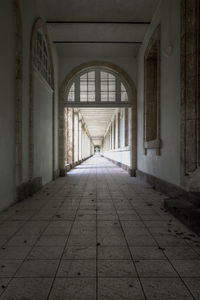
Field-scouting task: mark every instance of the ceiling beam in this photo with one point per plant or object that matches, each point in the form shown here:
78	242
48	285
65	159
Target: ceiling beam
96	22
97	42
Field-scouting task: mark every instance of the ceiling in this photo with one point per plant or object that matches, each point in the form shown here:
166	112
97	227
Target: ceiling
97	120
97	27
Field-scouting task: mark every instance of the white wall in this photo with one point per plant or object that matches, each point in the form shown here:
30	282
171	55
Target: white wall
56	106
29	15
42	99
167	165
67	64
43	107
122	156
7	104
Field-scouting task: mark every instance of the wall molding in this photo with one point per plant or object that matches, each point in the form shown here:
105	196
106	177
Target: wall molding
152	93
165	187
27	189
132	172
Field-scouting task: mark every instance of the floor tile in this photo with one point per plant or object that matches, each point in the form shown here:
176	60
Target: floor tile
52	240
155	268
119	288
45	252
73	289
80	253
9	267
77	268
91	224
3	284
141	253
113	253
28	288
187	268
180	253
165	289
116	268
194	286
14	252
38	268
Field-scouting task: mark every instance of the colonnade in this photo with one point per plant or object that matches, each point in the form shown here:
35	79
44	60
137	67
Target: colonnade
78	143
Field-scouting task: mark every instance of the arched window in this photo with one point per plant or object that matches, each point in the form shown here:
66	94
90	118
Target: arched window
42	57
97	86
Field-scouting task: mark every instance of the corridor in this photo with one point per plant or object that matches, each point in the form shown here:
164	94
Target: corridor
96	234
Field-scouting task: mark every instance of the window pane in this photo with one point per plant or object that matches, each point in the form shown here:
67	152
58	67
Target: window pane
104	86
124	97
91	75
83	77
83	97
83	87
111	77
91	86
104	76
123	88
111	96
104	96
71	93
91	97
111	86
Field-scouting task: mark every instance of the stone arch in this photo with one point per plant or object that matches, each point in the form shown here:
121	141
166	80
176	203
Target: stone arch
39	25
131	84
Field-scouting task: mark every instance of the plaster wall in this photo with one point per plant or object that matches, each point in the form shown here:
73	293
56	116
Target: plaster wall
122	156
67	64
56	104
43	97
167	165
29	15
7	104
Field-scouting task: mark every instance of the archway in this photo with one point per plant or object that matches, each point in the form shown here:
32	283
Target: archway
132	103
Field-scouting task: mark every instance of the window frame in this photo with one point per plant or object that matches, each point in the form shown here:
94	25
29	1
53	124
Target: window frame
154	41
42	58
76	80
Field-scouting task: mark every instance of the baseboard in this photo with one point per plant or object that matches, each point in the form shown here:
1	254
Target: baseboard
131	172
56	174
183	205
29	188
161	185
63	172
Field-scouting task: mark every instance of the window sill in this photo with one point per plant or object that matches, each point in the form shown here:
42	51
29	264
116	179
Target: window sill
154	144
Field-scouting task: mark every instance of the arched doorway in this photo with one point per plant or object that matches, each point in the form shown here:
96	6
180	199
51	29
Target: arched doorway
91	74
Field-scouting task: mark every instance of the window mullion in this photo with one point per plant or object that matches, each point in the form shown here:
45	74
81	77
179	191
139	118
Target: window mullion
97	86
77	89
87	88
118	89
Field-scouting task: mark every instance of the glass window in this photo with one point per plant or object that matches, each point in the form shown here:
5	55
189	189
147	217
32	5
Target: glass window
87	87
107	88
71	94
124	95
41	58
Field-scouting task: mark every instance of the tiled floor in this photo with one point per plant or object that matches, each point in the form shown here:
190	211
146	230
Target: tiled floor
96	234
